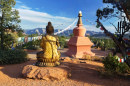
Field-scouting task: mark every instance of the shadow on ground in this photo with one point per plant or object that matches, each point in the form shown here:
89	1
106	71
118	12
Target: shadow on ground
88	73
81	73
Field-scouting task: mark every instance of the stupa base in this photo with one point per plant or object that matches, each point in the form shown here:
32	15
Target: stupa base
79	54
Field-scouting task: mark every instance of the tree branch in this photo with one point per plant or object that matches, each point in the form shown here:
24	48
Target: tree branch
115	27
122	48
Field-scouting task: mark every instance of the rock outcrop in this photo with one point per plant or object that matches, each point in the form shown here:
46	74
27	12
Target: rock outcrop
47	73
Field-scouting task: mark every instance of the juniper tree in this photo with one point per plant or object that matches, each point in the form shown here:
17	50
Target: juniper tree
119	7
9	18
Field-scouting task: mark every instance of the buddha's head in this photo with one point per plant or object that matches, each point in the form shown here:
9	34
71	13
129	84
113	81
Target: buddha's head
49	28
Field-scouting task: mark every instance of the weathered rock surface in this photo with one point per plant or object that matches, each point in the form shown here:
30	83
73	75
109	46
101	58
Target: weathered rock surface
47	73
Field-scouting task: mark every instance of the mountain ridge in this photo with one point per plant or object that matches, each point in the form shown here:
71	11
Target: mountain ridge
65	33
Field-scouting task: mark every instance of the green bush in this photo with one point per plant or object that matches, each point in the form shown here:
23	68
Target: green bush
86	57
96	58
65	46
113	67
18	47
33	45
13	56
63	42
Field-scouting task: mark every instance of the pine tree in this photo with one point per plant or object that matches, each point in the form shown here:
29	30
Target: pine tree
9	18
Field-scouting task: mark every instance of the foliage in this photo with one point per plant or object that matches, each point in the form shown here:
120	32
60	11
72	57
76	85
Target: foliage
119	7
19	47
20	32
100	44
113	67
62	41
103	43
13	57
119	4
9	18
33	35
71	35
90	37
34	45
10	38
92	58
86	57
96	58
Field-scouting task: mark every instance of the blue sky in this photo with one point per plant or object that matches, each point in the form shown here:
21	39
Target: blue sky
36	13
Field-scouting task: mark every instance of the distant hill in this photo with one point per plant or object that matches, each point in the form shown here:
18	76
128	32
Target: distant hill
68	32
65	33
100	35
127	36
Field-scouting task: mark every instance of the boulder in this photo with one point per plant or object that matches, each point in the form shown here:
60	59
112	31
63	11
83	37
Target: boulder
58	73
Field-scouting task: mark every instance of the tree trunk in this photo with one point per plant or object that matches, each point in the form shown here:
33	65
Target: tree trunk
2	41
2	32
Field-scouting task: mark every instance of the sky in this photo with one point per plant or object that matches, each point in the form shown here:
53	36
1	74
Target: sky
37	13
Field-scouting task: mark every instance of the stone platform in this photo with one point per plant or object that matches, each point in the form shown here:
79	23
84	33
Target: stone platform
58	73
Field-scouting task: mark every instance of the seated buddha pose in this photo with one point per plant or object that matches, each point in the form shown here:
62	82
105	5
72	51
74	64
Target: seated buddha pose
49	43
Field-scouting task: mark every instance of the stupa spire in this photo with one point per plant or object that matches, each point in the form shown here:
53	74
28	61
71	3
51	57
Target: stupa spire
79	45
79	23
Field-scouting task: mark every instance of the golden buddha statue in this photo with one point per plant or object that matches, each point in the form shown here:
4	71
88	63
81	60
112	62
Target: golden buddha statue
49	43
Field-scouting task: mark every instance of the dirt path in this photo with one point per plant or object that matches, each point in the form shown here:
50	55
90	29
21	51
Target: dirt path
83	74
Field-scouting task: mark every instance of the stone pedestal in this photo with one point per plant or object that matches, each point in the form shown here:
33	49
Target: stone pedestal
46	73
79	45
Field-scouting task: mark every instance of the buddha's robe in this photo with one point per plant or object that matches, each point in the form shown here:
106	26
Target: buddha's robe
49	44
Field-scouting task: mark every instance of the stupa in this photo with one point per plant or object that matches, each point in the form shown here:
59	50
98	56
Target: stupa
79	45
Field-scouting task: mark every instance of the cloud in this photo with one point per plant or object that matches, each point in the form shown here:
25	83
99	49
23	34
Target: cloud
24	7
42	26
93	28
36	19
110	28
18	2
37	8
41	17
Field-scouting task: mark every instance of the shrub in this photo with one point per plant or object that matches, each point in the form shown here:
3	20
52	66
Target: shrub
8	39
113	67
96	58
13	56
18	47
86	57
92	58
65	46
33	45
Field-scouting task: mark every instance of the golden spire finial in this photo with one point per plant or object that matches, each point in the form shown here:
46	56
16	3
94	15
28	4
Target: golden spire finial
79	20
